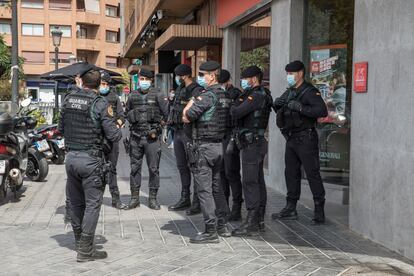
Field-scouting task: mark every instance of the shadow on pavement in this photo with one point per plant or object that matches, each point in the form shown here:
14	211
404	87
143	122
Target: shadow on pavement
67	240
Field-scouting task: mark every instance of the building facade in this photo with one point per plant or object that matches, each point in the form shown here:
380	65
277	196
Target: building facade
366	152
91	32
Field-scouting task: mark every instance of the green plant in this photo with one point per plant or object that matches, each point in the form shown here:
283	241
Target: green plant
56	118
258	56
38	115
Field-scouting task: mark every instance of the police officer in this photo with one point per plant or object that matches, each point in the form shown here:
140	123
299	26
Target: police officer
186	89
252	113
208	118
113	99
297	112
86	120
230	169
146	109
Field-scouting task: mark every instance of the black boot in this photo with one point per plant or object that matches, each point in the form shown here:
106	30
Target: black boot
152	200
182	204
250	227
195	208
77	232
319	213
134	202
116	200
235	214
208	236
86	250
222	229
287	213
262	211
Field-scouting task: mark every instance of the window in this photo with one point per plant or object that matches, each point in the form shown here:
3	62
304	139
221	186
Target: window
82	32
92	6
111	11
33	4
328	54
66	30
112	36
62	57
5	28
59	4
111	62
32	29
33	57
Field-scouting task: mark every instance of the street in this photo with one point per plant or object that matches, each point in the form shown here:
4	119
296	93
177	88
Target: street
35	241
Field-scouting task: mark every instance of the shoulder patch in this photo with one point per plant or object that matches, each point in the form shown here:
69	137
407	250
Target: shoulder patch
110	111
250	98
199	98
318	94
240	99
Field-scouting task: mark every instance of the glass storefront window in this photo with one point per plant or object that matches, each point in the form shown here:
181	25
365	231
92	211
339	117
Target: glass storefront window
328	53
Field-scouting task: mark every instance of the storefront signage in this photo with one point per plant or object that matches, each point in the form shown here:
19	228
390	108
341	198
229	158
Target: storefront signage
361	77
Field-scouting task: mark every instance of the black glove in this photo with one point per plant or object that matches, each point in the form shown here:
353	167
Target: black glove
295	106
279	102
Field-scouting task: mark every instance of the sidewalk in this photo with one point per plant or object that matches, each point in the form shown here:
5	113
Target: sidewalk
35	241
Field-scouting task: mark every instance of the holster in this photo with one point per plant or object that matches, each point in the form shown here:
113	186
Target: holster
192	154
126	144
106	170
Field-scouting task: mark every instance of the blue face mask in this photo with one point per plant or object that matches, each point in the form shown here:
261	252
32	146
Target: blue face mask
104	90
145	84
201	81
178	80
245	84
291	80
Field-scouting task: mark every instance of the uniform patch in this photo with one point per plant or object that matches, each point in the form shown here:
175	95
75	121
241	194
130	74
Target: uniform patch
318	94
110	111
240	99
165	99
199	98
250	98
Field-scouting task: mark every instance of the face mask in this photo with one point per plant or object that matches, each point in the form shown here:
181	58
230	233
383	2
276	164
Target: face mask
201	81
145	84
104	90
178	80
291	80
245	84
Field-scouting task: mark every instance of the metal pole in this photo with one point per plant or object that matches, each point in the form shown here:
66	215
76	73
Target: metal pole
56	82
15	54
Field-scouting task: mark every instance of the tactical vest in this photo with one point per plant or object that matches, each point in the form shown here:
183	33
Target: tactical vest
181	99
289	120
211	126
257	121
145	114
82	130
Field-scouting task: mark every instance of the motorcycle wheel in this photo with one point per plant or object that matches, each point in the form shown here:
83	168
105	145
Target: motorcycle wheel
37	168
60	158
3	192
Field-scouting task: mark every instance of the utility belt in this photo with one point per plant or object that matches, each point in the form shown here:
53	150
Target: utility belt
294	134
244	139
207	141
150	135
94	152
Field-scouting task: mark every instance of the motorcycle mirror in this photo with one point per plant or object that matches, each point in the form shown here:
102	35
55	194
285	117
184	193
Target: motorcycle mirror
26	102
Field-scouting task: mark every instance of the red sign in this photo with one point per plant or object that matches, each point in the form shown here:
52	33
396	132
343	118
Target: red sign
361	77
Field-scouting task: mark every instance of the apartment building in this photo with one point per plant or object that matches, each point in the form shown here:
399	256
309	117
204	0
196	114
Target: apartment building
90	33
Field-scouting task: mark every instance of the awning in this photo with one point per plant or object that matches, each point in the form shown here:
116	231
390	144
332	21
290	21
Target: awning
188	37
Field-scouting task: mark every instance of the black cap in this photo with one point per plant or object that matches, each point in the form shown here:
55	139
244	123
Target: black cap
105	77
146	73
224	76
209	66
183	70
251	71
295	66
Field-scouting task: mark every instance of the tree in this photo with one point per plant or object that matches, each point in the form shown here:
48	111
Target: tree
258	56
5	71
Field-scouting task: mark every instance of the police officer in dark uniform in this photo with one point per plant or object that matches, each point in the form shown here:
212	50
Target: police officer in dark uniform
208	118
230	169
113	99
297	112
252	113
146	110
86	120
186	89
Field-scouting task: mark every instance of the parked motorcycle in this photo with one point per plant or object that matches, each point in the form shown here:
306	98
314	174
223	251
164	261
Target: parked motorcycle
14	153
56	142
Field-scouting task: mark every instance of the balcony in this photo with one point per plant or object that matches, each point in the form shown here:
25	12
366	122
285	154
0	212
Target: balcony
5	13
86	17
88	44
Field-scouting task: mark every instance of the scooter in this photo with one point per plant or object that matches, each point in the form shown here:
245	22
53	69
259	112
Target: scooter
14	153
56	142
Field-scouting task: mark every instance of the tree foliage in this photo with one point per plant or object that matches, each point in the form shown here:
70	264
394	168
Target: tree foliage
258	56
